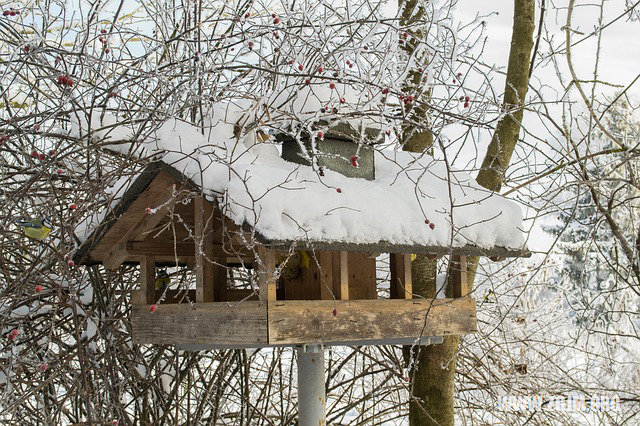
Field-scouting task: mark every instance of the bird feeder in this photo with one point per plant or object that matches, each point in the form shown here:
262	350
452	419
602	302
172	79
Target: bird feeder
333	298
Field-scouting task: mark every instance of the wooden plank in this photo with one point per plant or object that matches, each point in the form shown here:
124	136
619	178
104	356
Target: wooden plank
242	325
266	274
341	275
135	224
137	210
459	276
401	285
147	280
116	257
204	250
362	276
303	322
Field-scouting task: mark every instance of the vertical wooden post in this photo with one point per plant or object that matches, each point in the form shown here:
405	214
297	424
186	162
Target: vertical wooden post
204	250
266	274
147	293
325	260
341	275
459	276
401	284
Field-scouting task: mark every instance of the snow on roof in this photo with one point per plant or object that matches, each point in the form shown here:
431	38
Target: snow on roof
284	201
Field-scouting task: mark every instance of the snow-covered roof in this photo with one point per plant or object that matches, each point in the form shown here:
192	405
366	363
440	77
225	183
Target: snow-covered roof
415	204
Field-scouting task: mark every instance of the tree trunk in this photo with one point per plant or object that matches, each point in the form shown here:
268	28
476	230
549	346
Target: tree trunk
433	367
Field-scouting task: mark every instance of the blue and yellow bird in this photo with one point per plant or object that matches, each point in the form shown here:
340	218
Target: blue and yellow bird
162	280
37	229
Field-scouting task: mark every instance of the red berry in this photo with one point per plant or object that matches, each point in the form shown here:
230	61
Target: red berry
5	13
34	154
250	45
354	161
388	132
153	308
41	156
112	94
103	31
38	288
14	332
149	211
59	171
51	153
26	48
410	98
69	82
332	86
114	423
12	13
73	206
466	104
107	50
273	15
276	21
339	191
432	225
459	74
343	100
320	135
291	62
323	110
320	69
72	264
336	74
17	12
44	366
248	14
405	35
454	81
307	82
467	99
300	67
426	221
348	63
420	69
335	312
385	90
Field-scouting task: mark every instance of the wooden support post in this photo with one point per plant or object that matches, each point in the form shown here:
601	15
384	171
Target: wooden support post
459	276
266	274
401	284
204	250
147	293
341	275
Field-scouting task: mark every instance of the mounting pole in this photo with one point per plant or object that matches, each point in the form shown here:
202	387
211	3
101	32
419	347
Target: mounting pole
311	394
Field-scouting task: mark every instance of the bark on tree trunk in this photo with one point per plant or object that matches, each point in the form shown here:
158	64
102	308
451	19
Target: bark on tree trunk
432	368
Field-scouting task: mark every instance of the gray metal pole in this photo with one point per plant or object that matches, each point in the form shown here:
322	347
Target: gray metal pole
311	396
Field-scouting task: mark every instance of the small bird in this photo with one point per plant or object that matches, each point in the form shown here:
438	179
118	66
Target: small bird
162	280
490	297
37	229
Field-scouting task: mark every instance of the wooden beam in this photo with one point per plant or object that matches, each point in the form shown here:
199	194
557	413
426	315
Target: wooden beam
205	275
341	274
116	257
244	325
147	280
401	285
266	274
307	322
459	276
